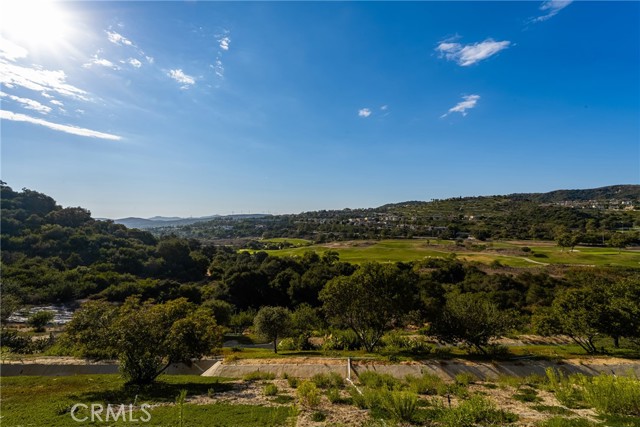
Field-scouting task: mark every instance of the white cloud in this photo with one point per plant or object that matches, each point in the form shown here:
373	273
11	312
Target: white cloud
224	43
150	59
29	104
551	9
364	112
469	102
11	51
179	76
470	54
74	130
101	62
56	102
118	39
39	80
135	62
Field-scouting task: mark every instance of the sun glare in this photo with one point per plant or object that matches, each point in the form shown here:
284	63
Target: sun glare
36	23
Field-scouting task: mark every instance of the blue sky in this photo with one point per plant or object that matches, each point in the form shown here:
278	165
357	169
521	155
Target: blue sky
197	108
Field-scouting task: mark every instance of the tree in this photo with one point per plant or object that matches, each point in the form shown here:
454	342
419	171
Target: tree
472	319
371	301
89	330
618	240
272	323
39	320
146	337
8	305
575	313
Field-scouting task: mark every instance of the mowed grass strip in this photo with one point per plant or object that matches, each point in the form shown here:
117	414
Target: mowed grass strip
47	401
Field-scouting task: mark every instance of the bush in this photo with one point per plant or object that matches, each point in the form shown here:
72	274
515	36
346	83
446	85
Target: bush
375	380
427	384
333	394
465	378
395	341
292	381
567	422
612	395
564	389
270	390
23	344
328	380
476	410
342	340
308	394
357	398
402	405
318	416
40	319
375	398
287	344
527	395
259	376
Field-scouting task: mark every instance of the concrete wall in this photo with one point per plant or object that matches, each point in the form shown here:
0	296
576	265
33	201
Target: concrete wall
306	368
445	369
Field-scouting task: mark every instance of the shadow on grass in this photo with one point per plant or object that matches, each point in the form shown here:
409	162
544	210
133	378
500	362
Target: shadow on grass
160	391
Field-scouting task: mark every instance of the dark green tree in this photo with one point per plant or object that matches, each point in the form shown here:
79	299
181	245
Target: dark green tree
40	319
472	319
374	299
272	323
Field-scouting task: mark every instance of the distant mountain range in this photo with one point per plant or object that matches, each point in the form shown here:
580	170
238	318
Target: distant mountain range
620	193
162	221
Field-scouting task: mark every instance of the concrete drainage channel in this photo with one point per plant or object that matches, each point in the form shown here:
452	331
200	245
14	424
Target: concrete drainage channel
307	367
446	369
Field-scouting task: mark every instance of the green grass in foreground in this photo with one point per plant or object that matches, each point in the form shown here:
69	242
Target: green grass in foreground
46	401
416	249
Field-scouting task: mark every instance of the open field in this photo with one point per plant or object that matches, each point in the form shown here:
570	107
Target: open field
261	399
507	253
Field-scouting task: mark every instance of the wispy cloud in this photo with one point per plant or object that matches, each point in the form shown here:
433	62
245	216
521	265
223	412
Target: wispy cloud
218	68
179	76
224	42
27	103
56	102
384	107
364	112
74	130
119	39
465	55
11	51
468	102
39	80
135	63
551	8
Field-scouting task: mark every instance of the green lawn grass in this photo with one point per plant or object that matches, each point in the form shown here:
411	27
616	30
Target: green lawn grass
416	249
46	401
296	242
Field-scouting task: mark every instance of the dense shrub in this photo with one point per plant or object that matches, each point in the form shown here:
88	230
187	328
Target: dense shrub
476	411
375	380
615	395
402	405
333	380
342	340
270	390
308	394
259	376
